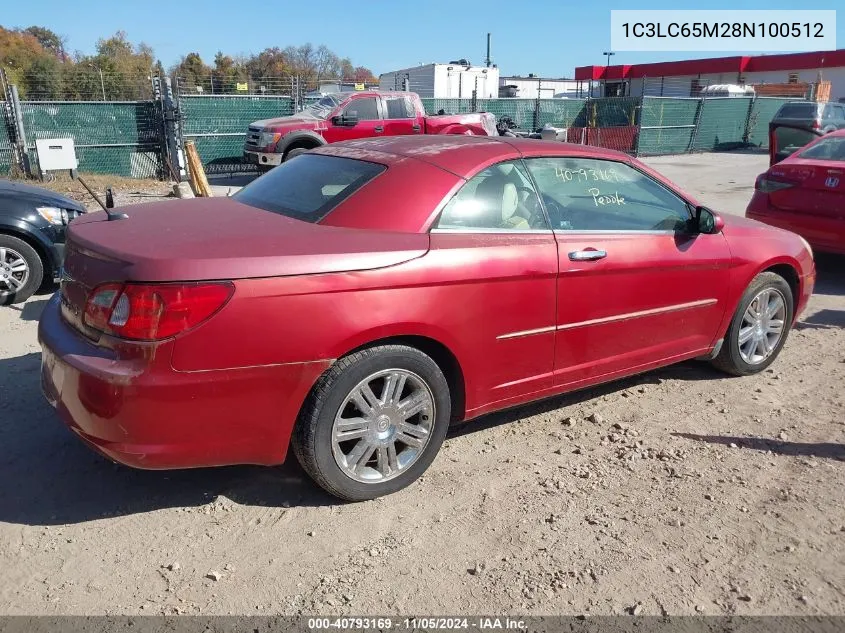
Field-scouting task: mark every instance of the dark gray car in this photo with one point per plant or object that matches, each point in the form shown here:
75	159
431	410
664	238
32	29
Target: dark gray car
824	117
33	222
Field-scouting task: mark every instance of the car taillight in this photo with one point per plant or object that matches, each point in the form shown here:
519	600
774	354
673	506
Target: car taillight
816	124
151	312
765	185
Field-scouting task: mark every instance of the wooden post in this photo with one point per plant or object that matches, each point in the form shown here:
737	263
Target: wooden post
199	183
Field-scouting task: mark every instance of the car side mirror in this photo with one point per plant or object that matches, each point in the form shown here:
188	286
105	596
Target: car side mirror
707	222
348	119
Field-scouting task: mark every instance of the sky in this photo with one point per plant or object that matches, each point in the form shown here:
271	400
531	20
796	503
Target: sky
546	37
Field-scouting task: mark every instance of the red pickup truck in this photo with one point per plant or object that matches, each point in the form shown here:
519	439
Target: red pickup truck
345	116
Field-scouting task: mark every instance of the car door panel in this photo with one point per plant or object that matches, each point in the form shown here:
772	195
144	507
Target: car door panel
496	271
501	290
635	286
653	296
370	122
399	116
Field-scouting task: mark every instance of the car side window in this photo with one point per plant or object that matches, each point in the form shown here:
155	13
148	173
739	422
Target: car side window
583	194
828	113
366	108
398	108
500	198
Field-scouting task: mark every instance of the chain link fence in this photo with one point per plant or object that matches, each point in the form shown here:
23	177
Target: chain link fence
130	138
6	152
86	82
121	138
218	124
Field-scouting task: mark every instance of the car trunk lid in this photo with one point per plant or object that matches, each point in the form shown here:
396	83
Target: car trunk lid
817	187
209	239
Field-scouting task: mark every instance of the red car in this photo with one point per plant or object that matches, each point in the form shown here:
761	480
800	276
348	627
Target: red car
805	192
358	299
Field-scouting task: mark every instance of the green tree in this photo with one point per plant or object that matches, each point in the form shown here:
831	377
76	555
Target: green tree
49	40
192	73
347	69
43	79
227	73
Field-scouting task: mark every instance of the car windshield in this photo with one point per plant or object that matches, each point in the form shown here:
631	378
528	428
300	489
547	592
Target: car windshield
322	108
798	111
309	186
831	148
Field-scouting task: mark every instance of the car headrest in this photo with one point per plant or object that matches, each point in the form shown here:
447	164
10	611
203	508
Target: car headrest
510	201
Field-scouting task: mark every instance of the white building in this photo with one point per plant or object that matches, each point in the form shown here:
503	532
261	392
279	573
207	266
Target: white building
531	87
455	80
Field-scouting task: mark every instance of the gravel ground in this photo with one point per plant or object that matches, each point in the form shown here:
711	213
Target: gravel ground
681	491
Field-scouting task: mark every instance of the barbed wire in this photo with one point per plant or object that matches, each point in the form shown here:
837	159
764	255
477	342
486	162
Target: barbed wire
83	84
91	84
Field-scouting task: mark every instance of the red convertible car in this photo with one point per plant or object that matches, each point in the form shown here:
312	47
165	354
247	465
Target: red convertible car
356	300
805	192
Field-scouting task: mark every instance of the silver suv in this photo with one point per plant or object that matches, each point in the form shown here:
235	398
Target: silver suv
824	117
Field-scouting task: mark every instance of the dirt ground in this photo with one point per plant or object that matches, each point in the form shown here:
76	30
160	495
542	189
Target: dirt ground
681	491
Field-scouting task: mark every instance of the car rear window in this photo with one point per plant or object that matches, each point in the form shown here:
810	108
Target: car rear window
798	111
309	186
832	148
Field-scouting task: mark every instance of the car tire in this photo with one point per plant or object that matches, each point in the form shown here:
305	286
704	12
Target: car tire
750	344
346	468
13	249
296	151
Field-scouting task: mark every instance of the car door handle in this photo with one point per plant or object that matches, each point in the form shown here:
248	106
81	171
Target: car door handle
416	128
379	128
588	255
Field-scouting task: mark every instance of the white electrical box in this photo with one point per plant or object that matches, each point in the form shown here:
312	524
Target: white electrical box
56	154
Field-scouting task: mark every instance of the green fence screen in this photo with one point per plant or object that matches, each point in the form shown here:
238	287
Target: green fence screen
556	112
562	112
122	138
218	125
762	112
126	138
667	125
722	123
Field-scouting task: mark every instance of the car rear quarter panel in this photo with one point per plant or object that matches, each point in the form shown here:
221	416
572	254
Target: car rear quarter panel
456	297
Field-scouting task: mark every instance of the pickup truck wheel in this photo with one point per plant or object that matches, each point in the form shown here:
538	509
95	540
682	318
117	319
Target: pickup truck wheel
759	327
21	270
374	422
296	151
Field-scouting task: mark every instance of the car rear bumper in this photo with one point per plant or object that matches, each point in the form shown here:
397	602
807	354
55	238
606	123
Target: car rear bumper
825	234
262	158
143	413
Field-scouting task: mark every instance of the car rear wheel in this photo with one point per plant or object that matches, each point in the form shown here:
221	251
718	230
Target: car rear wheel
374	422
759	327
21	270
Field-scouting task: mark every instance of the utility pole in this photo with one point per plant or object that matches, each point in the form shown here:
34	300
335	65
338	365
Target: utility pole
607	54
488	61
102	83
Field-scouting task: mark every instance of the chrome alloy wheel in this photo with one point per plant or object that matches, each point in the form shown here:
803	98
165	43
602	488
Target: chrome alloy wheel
14	271
762	326
375	438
